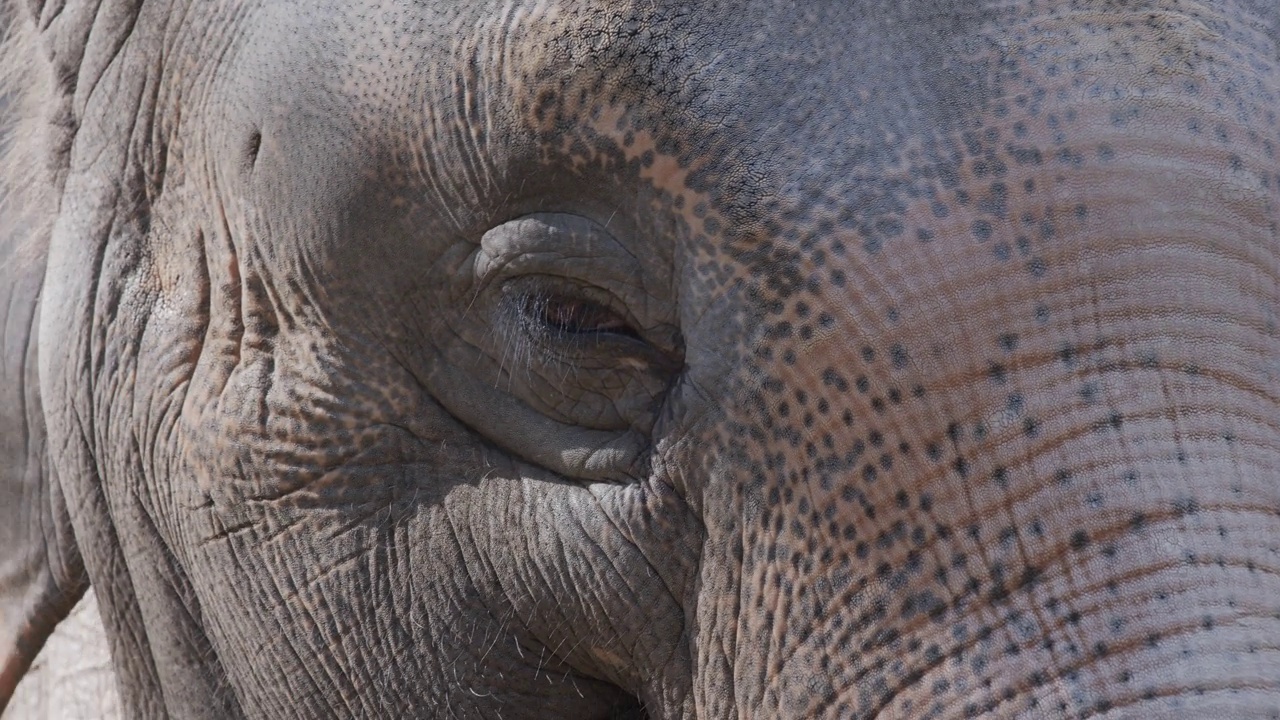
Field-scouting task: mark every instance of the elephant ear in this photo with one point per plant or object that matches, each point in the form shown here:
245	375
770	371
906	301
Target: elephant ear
69	40
41	572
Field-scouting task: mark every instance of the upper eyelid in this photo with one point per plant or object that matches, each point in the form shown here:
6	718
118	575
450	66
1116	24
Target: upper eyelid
557	243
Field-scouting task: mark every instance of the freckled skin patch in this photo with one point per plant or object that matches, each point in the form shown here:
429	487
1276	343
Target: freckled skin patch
949	388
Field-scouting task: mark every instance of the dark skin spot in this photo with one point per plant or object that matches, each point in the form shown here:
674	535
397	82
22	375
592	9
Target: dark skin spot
1030	427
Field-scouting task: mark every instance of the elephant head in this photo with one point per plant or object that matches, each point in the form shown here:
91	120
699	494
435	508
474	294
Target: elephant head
585	359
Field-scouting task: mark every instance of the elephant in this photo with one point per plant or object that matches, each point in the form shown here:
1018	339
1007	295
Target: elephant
646	359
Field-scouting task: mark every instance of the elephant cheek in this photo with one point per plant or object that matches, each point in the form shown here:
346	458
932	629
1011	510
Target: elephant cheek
598	575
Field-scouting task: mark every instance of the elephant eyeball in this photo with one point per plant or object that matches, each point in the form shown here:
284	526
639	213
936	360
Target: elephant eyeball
575	316
580	316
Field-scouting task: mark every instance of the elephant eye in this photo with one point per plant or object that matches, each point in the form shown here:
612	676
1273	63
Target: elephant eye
575	316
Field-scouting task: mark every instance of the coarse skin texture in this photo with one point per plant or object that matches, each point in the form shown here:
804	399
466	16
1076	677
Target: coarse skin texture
584	359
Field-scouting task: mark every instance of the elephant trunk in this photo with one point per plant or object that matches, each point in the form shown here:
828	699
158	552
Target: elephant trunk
1102	538
1046	493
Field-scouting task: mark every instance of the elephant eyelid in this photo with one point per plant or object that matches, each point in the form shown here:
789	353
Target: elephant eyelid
575	316
548	321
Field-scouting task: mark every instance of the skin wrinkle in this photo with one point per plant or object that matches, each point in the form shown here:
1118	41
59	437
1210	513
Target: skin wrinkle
669	658
1190	627
190	611
603	602
458	540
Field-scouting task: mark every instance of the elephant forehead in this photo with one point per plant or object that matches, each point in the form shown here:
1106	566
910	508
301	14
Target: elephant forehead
756	120
759	111
742	91
732	103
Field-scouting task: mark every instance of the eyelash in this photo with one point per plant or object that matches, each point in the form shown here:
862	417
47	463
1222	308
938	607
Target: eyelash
534	336
556	313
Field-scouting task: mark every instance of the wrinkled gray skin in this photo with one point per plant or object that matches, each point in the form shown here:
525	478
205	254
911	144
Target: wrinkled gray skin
874	358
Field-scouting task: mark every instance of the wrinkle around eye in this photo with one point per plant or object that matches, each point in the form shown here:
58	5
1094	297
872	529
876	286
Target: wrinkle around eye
567	450
560	244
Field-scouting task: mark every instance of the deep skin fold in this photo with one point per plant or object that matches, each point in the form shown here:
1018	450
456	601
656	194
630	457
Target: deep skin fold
974	409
